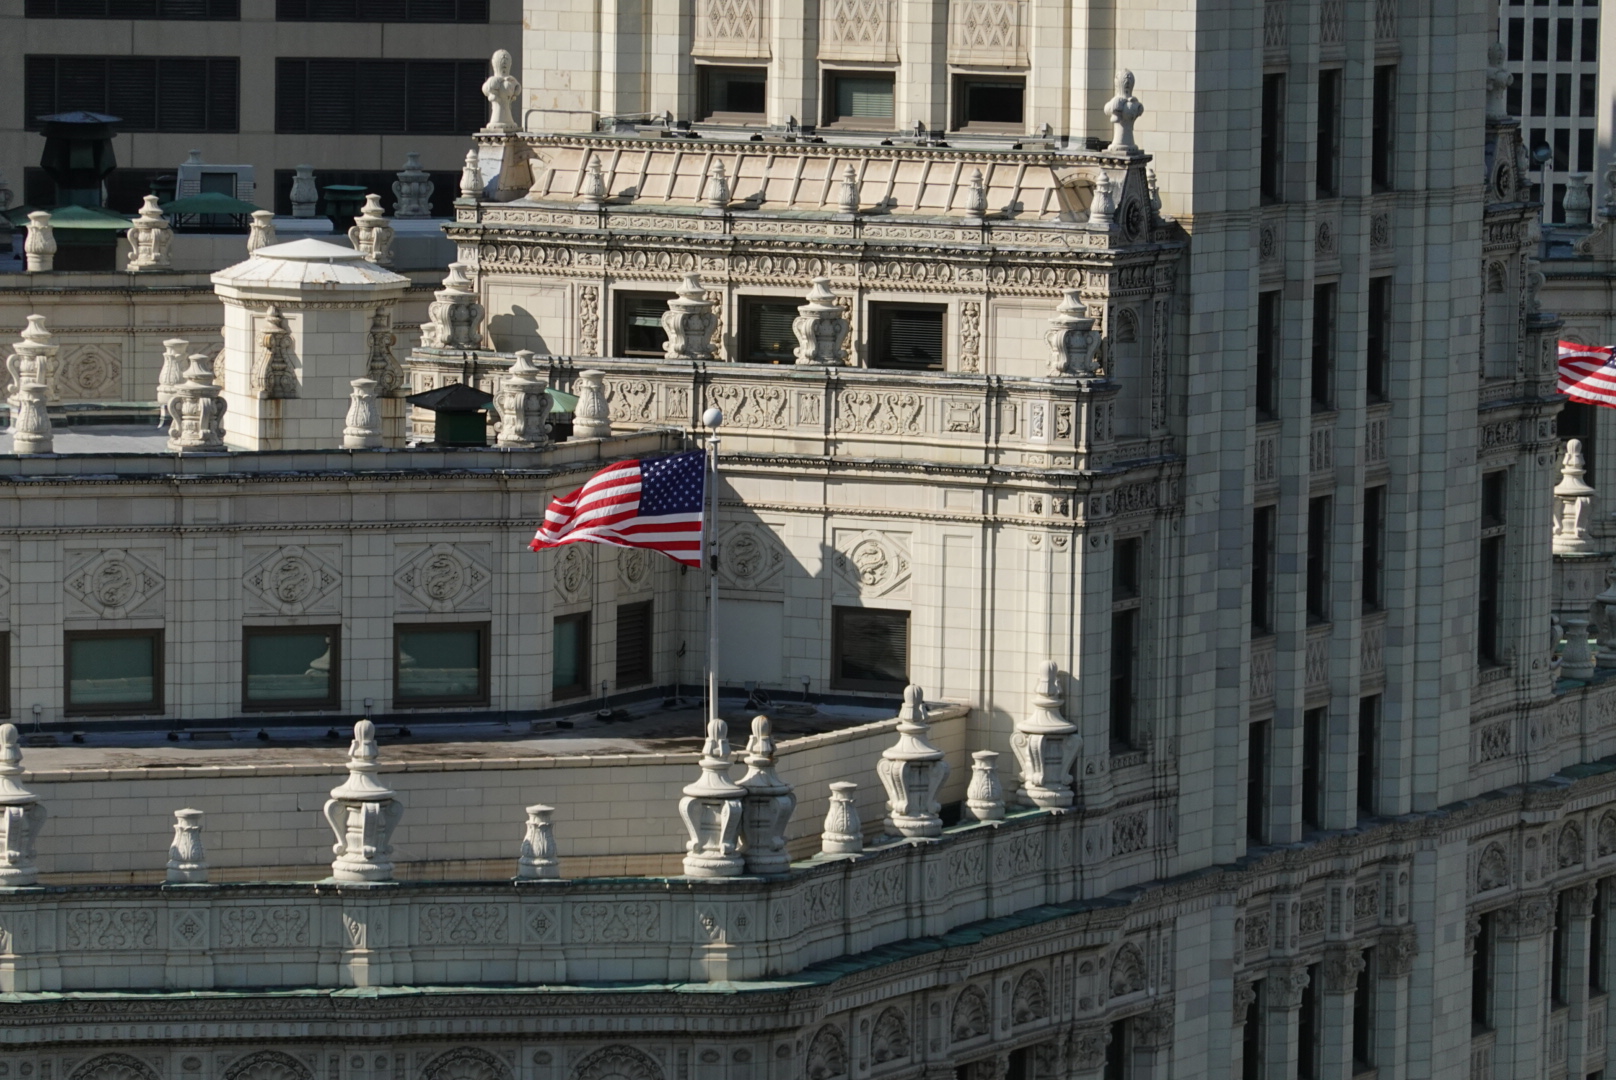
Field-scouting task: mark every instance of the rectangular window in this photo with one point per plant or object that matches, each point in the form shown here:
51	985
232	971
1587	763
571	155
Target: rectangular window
1585	150
1272	164
382	11
1368	753
1256	781
1328	175
1374	549
637	324
1512	98
224	10
379	97
634	644
5	674
167	94
1481	976
1314	722
1596	942
1124	657
1253	1035
1590	41
871	649
1268	347
1118	1051
1262	570
1562	151
1384	126
291	667
1125	580
1562	95
1517	39
859	101
1540	40
1540	94
440	664
766	336
113	671
732	95
569	654
1323	366
1559	956
1318	559
1307	1028
1562	40
1578	420
1488	631
1378	360
1587	95
989	104
1363	1015
908	336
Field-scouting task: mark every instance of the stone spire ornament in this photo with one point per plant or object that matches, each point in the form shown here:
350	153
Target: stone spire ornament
820	327
471	177
767	807
39	248
370	233
274	373
711	810
1605	608
591	419
1073	341
305	195
362	814
1103	208
30	421
716	195
171	374
524	405
21	814
843	833
362	428
848	202
976	196
149	239
381	364
33	359
1123	110
593	189
1045	746
455	316
1608	206
913	771
1577	659
501	89
1499	79
1574	505
984	798
187	862
196	410
412	191
689	322
1579	199
261	233
538	861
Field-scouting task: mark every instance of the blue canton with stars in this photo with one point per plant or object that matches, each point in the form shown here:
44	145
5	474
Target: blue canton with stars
672	485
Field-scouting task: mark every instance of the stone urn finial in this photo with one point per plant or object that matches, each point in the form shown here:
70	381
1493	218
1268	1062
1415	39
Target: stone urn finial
362	428
196	410
712	810
524	405
501	89
187	861
717	194
767	806
848	202
305	194
22	815
591	418
913	770
984	798
412	191
471	177
538	860
689	322
39	247
149	239
362	814
1499	79
370	233
820	326
1073	341
1574	505
1045	746
1123	110
843	832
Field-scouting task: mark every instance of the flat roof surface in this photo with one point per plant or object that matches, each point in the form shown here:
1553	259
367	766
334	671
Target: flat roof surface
103	439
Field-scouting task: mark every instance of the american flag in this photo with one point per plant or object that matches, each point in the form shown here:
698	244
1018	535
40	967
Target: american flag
647	504
1588	373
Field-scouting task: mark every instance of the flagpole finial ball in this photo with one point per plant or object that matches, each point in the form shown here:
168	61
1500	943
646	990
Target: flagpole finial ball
713	417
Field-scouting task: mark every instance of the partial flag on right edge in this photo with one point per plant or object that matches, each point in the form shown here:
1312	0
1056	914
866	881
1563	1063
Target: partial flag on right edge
1588	373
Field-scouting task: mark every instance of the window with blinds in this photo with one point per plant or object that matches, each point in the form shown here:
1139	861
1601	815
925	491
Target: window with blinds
637	324
862	100
907	336
382	11
379	97
569	656
766	336
633	644
871	649
166	94
229	10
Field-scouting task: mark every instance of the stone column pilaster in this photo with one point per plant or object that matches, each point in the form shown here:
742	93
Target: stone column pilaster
1578	910
1341	969
1282	1000
1520	993
1394	963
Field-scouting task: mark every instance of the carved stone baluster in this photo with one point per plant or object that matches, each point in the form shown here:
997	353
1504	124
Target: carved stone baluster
371	234
538	860
30	422
689	322
524	405
196	410
984	798
1045	746
913	770
767	807
39	247
187	861
149	239
820	327
711	810
843	832
363	426
1574	505
590	417
22	815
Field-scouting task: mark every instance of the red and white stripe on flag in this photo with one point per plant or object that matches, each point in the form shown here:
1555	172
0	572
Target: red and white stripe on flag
1588	373
653	504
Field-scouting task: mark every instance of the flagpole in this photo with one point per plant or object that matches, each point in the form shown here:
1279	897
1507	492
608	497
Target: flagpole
713	418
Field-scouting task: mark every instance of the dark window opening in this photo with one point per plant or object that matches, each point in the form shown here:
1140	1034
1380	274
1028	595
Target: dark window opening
1268	348
1585	150
291	667
1512	97
1559	951
637	326
1540	40
1253	1034
1368	752
1118	1052
1374	548
1256	780
1318	560
1328	175
766	336
634	644
1562	95
1323	358
221	10
1517	39
907	336
1540	94
1124	658
1263	521
1596	942
859	101
1363	1015
382	11
1577	420
732	94
1587	95
1272	164
1307	1028
1590	41
1494	486
569	652
871	649
1314	722
168	94
1488	631
1379	360
1125	566
988	104
440	664
1384	126
1563	30
1481	976
1562	152
445	187
379	97
113	671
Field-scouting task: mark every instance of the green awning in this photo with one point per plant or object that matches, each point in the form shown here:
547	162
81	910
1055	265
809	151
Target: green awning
562	403
86	217
209	202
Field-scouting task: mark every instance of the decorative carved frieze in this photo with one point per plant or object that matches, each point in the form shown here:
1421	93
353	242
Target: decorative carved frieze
113	584
292	580
443	577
